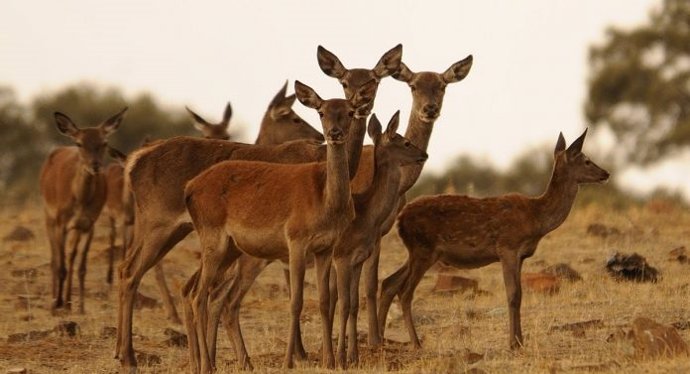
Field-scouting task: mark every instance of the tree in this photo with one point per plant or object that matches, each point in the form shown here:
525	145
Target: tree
640	84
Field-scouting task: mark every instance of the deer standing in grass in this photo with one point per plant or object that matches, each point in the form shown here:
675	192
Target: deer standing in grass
248	268
161	216
428	90
74	191
468	232
372	207
276	211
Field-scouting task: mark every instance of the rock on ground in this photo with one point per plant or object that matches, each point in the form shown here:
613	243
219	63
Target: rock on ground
653	340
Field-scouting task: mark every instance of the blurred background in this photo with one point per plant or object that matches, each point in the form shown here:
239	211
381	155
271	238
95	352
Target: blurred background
619	67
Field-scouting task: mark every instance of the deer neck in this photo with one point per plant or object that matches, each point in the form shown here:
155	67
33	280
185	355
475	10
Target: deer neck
84	185
554	205
419	133
355	142
337	192
377	199
264	137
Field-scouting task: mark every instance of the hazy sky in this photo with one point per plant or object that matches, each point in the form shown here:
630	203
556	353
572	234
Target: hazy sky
528	81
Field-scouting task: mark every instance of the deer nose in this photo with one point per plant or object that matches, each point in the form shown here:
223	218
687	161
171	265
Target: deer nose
95	166
335	135
431	110
423	158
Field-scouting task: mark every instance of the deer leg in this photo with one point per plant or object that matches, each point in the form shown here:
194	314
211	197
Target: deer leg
371	285
192	340
297	268
149	246
333	291
166	295
417	268
300	352
344	275
73	239
511	276
55	254
82	268
216	248
111	251
352	348
323	268
390	287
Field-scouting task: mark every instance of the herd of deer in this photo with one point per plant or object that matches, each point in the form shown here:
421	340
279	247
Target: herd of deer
290	197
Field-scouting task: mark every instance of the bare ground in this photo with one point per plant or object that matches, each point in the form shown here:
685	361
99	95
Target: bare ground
452	325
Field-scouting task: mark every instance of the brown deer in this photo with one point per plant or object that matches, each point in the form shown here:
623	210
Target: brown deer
468	232
115	208
275	211
372	207
160	208
74	191
428	90
178	160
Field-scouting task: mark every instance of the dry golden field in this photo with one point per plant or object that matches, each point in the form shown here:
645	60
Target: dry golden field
451	325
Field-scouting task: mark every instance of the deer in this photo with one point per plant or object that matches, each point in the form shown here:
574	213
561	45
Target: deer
116	209
372	207
173	226
468	232
74	191
428	90
164	221
276	211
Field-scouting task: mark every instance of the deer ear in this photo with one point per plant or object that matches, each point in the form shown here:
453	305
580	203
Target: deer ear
374	129
307	96
404	74
227	115
283	108
278	98
199	123
560	144
458	71
112	123
65	125
392	127
576	147
329	63
389	62
117	155
363	98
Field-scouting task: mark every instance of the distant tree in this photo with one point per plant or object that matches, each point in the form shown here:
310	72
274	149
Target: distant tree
640	84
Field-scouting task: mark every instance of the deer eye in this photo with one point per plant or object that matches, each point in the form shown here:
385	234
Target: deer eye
296	120
413	87
320	114
587	162
407	143
351	113
344	84
78	145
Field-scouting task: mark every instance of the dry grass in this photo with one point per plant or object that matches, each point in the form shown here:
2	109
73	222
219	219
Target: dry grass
449	324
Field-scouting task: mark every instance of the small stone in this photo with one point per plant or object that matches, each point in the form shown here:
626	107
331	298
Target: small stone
540	282
578	328
17	371
67	328
681	325
148	359
19	234
654	340
678	254
631	267
175	338
471	357
601	230
564	272
454	283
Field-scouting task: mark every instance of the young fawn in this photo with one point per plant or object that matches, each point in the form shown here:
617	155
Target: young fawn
469	233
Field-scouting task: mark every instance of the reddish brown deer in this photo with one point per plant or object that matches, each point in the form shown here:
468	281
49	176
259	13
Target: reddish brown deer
161	205
275	211
372	207
74	191
213	130
115	208
468	232
428	90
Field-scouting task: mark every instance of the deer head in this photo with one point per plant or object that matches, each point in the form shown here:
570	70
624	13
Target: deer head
337	114
428	88
213	130
392	146
91	141
353	79
283	124
574	165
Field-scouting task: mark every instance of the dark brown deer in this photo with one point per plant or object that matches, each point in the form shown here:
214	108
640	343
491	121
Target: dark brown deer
372	207
74	192
468	232
275	211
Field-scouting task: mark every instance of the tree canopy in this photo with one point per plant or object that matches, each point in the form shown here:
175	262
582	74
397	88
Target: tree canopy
640	84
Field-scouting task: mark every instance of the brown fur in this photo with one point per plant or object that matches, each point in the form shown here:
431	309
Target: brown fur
468	232
74	192
176	161
274	211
